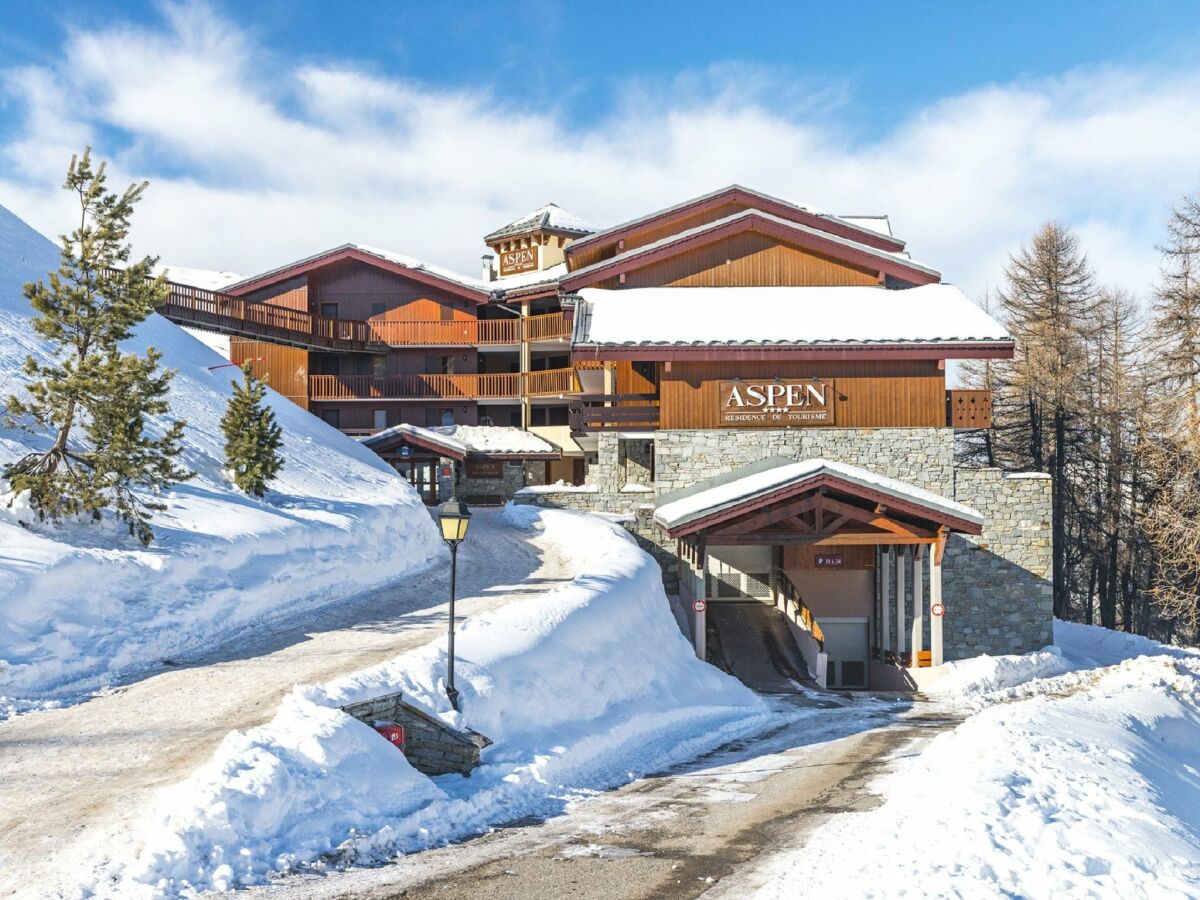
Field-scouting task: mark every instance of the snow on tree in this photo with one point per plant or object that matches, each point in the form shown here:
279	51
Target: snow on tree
93	302
252	437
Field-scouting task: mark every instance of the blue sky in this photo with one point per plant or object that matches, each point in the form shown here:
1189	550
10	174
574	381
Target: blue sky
283	127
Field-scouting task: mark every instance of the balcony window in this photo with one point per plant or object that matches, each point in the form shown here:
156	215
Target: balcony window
332	417
379	419
329	310
378	308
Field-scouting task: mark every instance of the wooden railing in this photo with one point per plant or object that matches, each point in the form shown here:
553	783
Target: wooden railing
549	327
238	316
628	412
795	608
501	386
463	332
549	382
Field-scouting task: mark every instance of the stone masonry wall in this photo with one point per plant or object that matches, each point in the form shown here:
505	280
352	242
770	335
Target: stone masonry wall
513	479
431	746
996	587
920	456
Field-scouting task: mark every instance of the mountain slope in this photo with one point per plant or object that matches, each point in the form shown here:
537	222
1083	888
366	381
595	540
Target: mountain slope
81	603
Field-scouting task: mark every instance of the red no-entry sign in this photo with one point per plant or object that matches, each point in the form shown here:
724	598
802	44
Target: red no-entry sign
937	609
699	605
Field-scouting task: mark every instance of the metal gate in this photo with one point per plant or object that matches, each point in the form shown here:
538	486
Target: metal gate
846	642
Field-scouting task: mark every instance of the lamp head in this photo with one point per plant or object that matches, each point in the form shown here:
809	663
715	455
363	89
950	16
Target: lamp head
454	518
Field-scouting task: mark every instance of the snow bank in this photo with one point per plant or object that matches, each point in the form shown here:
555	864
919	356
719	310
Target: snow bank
984	674
1087	787
581	688
83	604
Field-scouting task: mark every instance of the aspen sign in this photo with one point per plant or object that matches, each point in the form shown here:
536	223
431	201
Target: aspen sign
776	403
522	259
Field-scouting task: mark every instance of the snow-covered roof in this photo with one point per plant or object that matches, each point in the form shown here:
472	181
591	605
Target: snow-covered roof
855	222
748	218
205	279
550	217
459	440
933	313
425	435
408	262
496	439
736	491
880	224
547	276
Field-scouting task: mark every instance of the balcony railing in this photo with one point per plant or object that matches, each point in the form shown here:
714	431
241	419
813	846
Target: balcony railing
625	412
225	313
502	386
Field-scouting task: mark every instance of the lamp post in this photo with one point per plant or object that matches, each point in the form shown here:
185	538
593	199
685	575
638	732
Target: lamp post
455	518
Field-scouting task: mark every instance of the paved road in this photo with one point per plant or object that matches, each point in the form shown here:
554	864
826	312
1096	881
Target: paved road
71	779
700	829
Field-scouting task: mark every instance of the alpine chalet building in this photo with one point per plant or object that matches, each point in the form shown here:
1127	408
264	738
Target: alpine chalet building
757	386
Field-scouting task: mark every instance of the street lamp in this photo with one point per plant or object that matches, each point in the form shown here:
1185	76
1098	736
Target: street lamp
455	518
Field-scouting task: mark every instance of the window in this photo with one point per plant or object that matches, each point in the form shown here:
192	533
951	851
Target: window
329	310
332	417
447	416
379	419
446	365
379	365
447	312
325	364
378	308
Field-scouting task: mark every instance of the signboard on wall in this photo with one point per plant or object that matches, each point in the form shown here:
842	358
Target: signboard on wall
832	561
522	259
776	403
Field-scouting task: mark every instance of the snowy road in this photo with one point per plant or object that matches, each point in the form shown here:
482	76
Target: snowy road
71	779
697	829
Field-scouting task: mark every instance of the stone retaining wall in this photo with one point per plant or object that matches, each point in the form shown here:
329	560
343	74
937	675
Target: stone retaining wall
431	746
997	587
920	456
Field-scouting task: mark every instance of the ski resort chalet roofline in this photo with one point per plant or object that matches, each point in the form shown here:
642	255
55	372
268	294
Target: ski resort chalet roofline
457	442
550	218
883	262
728	503
737	193
408	266
935	321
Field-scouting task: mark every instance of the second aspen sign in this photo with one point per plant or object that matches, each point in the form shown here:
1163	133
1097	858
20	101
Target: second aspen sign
776	402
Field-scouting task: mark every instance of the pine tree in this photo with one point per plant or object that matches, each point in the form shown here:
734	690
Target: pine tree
1050	300
1172	453
252	437
93	302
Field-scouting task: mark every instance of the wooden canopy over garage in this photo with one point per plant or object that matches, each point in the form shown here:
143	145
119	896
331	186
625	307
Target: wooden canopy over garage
813	502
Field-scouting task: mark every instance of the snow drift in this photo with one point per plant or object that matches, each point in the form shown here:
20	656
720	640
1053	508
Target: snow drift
1079	783
581	688
83	604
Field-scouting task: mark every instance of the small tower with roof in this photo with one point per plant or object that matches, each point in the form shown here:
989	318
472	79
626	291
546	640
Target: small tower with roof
534	242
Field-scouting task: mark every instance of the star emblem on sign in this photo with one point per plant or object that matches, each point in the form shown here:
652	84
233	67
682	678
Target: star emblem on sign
778	409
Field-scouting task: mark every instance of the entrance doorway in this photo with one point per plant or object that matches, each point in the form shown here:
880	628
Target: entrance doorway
422	476
847	644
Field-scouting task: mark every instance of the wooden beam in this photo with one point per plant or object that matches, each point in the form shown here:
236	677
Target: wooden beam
770	516
855	539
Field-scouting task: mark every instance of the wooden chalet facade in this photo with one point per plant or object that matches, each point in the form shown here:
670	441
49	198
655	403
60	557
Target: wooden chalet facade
692	353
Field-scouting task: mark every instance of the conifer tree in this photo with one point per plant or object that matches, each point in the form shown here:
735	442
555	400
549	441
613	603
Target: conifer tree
252	436
1172	455
1050	300
93	302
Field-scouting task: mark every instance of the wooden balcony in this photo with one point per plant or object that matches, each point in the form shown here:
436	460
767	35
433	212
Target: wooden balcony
503	386
614	412
227	314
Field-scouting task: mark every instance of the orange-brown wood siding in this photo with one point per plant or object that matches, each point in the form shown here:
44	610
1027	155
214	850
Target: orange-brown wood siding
876	394
589	255
630	381
355	287
749	259
285	368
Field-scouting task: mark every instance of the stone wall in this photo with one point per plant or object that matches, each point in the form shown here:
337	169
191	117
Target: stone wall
492	490
431	746
997	587
920	456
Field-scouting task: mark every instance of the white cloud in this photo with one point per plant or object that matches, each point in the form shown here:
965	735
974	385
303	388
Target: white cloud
281	159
